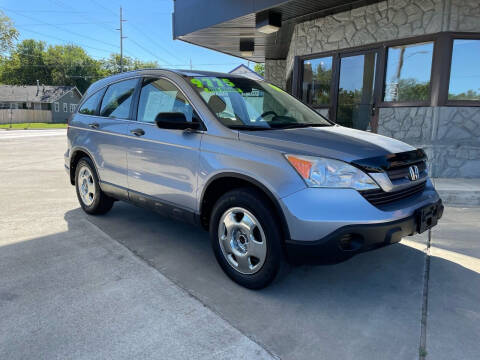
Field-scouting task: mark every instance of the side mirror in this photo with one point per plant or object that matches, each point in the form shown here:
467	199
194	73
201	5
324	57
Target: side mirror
175	121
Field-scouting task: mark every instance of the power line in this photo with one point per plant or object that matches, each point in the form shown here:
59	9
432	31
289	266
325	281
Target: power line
154	42
68	31
143	33
87	46
66	42
104	7
66	6
150	52
48	11
67	24
133	41
62	4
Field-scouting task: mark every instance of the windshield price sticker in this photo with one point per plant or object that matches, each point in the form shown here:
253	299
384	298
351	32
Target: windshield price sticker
213	84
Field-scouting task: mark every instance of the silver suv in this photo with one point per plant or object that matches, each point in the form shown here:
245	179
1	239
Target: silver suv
270	178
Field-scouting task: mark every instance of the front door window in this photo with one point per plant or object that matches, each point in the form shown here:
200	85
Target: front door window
356	88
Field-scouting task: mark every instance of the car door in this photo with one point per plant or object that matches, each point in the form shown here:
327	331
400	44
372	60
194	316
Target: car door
108	125
163	163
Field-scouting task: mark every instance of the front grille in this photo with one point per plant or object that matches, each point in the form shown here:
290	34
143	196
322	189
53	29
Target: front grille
380	197
402	172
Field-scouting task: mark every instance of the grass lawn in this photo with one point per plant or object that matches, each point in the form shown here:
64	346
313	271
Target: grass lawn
26	126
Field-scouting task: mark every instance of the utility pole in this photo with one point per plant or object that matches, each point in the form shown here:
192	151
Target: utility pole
190	63
121	39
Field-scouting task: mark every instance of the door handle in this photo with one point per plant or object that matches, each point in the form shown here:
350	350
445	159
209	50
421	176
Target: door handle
94	125
137	132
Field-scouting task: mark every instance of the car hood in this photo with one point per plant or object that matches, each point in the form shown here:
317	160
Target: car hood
336	142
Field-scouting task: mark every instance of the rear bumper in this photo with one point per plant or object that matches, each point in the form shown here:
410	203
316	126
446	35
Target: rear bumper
349	240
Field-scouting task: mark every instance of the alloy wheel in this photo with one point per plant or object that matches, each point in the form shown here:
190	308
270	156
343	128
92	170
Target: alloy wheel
86	185
242	240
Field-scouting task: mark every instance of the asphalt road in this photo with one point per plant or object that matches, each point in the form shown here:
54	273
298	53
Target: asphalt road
132	283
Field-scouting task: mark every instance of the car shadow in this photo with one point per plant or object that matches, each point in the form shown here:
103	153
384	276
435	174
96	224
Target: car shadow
368	306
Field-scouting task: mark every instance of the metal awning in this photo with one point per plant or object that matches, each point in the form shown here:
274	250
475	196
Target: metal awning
219	25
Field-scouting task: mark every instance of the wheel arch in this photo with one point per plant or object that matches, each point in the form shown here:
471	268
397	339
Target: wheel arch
77	154
219	184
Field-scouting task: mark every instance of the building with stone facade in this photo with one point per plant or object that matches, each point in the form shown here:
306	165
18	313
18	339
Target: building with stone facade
407	69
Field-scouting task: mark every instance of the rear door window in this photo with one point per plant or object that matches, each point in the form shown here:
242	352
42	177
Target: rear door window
118	99
90	106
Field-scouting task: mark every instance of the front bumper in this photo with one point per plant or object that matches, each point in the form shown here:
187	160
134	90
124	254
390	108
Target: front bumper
353	239
334	224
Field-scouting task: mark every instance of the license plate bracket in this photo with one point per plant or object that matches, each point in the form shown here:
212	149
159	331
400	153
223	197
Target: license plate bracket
427	216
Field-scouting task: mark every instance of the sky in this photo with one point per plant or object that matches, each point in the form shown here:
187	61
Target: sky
92	24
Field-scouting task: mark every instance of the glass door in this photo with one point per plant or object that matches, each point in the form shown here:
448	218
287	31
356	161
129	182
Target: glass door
356	91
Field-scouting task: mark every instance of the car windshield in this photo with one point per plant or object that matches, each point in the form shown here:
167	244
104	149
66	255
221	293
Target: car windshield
245	104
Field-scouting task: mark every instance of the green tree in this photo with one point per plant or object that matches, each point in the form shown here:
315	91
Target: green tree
71	65
25	65
259	69
32	60
8	33
112	64
323	79
411	90
469	95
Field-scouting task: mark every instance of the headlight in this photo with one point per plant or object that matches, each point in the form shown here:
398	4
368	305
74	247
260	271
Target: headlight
323	172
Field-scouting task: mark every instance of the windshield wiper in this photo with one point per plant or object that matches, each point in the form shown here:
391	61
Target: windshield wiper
249	127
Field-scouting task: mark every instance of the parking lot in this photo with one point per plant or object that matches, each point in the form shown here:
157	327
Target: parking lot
133	284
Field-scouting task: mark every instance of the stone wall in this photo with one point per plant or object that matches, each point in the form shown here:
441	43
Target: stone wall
449	135
275	73
384	21
457	142
462	15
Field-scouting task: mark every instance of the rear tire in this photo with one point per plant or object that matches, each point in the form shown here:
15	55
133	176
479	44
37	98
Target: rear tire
90	196
246	238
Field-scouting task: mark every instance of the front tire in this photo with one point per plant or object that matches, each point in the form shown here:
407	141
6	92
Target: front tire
91	197
245	238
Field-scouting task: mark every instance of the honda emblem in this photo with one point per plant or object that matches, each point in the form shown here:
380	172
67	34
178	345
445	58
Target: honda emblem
413	173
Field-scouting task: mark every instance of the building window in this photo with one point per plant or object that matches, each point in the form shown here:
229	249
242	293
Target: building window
356	90
65	107
317	79
57	106
464	71
72	108
408	73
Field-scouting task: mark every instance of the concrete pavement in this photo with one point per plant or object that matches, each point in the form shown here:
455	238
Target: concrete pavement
70	291
453	328
134	284
19	134
459	191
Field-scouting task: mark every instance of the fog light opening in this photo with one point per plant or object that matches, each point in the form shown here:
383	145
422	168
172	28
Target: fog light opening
351	242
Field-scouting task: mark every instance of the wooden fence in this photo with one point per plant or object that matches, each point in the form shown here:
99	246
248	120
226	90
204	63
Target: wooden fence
16	116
